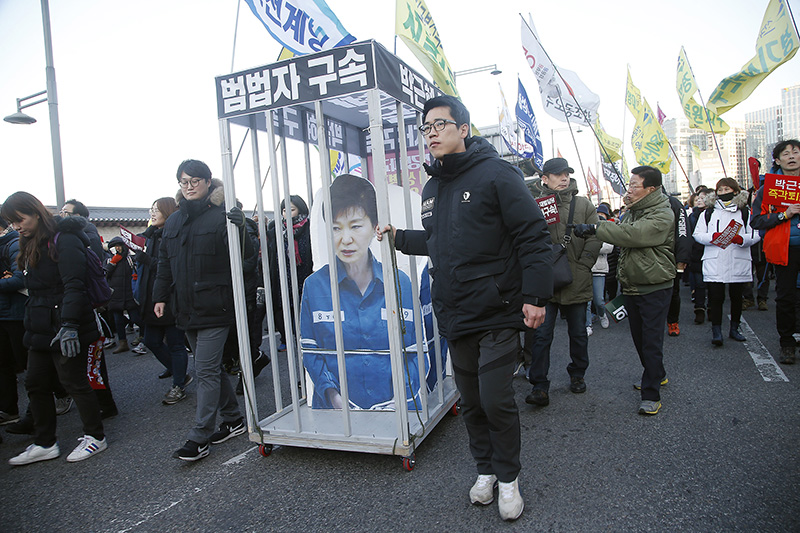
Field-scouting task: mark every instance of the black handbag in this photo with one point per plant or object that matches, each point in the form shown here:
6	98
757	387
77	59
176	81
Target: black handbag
562	273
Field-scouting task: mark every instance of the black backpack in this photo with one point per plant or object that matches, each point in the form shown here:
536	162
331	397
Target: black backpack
96	285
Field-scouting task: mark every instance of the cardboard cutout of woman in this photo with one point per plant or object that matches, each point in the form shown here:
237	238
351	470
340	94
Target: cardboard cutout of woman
363	311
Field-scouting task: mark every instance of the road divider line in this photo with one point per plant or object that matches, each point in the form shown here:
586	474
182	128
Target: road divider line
763	360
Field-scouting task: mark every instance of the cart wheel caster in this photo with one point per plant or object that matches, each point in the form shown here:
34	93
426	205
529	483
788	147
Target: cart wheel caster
456	409
409	462
265	449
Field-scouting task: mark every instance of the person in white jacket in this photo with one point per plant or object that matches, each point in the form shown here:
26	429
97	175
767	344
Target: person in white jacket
726	264
599	271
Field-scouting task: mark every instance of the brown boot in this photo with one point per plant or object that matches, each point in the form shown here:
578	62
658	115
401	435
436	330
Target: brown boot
787	355
121	347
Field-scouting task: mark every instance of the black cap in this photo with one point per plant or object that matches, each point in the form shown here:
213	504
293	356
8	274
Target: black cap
557	165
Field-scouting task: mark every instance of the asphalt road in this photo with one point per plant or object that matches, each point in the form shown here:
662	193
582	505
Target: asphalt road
721	456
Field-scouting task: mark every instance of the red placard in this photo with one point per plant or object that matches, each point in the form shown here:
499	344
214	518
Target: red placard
726	236
549	208
132	241
781	190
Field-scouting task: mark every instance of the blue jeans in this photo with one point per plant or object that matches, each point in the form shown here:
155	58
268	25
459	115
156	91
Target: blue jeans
120	322
598	297
540	340
214	389
171	354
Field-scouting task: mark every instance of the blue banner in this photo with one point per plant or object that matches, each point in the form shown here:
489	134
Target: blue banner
527	121
302	26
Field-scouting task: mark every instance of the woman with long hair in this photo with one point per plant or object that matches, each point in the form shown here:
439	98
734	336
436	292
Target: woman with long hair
60	324
161	336
726	261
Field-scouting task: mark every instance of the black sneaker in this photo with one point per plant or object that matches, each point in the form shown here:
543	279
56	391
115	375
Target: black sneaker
538	397
577	385
191	451
258	365
22	427
228	430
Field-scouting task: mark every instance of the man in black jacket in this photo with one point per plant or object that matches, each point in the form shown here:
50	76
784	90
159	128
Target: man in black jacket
489	246
194	277
683	255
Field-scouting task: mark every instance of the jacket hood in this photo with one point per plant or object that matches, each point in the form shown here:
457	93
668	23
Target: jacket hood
539	189
453	165
76	225
216	196
117	241
739	201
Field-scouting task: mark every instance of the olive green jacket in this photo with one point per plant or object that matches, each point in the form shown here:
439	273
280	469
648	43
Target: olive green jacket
646	236
581	253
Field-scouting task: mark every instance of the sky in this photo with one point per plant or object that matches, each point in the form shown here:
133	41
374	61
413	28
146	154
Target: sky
136	79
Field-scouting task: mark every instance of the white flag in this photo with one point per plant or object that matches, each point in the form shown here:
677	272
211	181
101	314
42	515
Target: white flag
558	98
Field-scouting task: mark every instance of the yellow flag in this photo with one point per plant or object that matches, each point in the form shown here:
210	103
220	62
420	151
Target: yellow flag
649	142
633	98
777	43
610	146
699	117
414	25
285	54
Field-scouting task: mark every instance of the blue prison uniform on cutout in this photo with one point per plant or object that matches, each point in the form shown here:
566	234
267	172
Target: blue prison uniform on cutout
364	327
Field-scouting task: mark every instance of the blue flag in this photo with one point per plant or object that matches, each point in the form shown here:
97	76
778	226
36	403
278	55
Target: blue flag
527	122
302	26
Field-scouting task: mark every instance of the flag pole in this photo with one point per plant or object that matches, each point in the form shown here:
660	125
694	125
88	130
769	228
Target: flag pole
685	175
583	112
574	141
708	117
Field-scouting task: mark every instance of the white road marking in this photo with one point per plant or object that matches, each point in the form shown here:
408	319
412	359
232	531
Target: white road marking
239	458
765	364
153	515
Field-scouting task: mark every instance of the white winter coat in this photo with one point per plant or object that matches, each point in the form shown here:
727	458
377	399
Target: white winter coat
733	264
601	265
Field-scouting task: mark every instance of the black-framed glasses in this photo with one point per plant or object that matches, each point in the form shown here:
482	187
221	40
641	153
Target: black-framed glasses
437	125
194	181
66	213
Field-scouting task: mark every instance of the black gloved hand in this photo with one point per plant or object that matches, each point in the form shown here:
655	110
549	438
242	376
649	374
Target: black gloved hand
584	230
236	216
68	337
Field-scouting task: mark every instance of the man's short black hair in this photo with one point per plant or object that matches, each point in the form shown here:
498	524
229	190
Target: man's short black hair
781	146
195	169
651	177
351	192
78	208
457	110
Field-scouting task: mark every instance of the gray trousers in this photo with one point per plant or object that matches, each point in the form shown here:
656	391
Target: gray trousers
214	389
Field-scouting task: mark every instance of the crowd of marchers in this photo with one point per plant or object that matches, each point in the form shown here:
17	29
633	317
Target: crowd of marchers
503	273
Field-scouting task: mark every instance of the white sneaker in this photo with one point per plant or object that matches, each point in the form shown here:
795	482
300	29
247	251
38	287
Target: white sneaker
589	331
89	446
510	502
34	453
139	349
604	321
482	492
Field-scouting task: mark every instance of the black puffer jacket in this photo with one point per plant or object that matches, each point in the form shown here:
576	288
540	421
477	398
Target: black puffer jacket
487	240
12	302
119	275
57	289
147	264
194	271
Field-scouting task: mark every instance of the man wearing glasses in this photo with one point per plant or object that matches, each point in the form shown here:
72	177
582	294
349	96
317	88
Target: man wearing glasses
488	242
74	208
194	278
646	270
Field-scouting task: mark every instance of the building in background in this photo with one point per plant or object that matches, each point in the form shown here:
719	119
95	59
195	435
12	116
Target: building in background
682	137
732	153
790	104
763	130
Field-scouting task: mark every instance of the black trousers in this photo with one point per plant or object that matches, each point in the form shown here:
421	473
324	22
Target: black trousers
13	359
483	367
786	289
716	297
44	367
647	314
674	312
538	342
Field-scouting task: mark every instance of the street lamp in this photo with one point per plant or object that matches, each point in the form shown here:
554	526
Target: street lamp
491	69
52	100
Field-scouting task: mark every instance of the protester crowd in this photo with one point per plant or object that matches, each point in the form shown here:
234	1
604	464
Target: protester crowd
66	297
